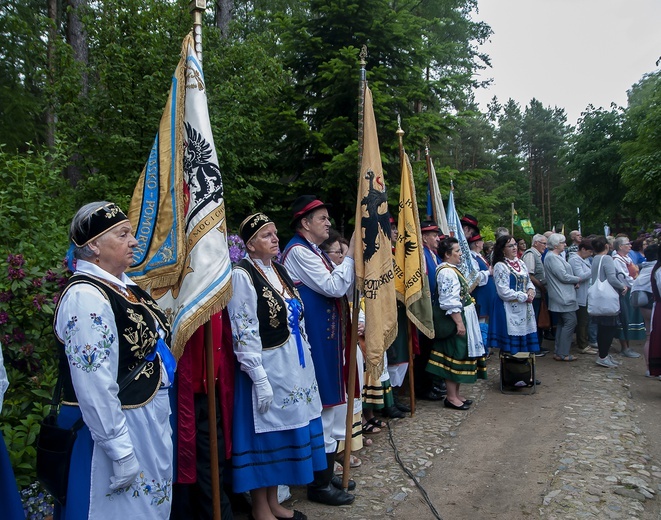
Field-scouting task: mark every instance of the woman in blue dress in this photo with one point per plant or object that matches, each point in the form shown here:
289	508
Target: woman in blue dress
278	435
512	325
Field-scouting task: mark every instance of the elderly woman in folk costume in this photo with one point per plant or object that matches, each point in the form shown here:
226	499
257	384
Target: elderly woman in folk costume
513	327
112	332
278	433
459	356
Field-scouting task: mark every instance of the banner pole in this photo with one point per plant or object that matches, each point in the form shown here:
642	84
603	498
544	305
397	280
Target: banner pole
355	310
197	8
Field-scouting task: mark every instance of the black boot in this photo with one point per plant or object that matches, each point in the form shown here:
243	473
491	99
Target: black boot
321	489
336	481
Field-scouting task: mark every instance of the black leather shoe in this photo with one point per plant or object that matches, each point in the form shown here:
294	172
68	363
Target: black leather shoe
330	496
402	407
468	402
393	412
429	396
337	482
440	388
297	516
448	404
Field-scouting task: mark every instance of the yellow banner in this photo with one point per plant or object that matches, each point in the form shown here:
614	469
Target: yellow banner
374	267
411	282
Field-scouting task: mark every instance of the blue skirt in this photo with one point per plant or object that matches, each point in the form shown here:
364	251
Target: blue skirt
499	338
80	471
12	507
270	459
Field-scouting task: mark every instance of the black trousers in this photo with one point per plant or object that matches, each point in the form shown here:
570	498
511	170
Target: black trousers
424	381
194	501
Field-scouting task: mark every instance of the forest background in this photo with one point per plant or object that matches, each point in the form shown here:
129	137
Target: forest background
83	85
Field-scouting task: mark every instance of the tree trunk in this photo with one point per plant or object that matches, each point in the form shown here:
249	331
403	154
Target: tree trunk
52	35
77	38
224	11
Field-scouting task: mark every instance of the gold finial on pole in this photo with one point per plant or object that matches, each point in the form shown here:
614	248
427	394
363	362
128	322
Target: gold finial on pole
197	8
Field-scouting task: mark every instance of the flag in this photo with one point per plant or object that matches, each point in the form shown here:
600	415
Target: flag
178	210
466	267
411	282
524	223
373	257
435	207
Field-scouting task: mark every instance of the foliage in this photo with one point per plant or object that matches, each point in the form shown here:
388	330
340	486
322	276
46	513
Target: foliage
641	152
27	302
35	205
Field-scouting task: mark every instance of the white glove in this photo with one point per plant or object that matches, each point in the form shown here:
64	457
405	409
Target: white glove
264	394
125	470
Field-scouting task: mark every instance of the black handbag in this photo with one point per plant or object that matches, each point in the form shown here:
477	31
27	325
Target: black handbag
55	444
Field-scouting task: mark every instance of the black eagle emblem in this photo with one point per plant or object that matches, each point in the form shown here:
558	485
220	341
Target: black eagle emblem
202	176
409	245
374	220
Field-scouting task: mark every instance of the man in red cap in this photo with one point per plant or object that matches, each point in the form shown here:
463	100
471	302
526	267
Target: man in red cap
470	225
323	287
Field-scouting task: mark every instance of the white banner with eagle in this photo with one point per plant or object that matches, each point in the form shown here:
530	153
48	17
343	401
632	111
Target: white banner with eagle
178	210
373	256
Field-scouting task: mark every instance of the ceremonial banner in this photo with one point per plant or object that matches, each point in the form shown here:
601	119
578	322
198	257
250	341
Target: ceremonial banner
373	256
435	206
178	211
524	223
411	282
466	267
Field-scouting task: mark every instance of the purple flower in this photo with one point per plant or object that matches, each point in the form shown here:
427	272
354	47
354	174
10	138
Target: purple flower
19	335
39	300
6	296
37	282
16	274
51	276
4	317
16	260
27	350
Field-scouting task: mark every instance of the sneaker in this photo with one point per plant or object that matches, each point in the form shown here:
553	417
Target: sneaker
613	360
627	352
589	350
593	345
605	362
541	353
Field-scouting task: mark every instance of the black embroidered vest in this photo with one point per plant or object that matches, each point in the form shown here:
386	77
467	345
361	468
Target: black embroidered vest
271	306
135	317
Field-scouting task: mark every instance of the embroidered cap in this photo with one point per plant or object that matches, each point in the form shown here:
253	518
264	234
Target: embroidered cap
251	225
304	205
103	219
475	238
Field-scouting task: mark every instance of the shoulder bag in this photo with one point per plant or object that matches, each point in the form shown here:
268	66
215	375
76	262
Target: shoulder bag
55	444
603	299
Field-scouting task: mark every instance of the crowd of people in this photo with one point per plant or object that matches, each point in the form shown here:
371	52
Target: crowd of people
290	330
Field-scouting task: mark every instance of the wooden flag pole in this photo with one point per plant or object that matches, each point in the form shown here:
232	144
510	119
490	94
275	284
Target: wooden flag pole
409	331
434	209
351	384
197	8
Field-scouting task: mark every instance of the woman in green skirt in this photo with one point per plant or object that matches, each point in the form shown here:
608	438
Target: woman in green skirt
458	354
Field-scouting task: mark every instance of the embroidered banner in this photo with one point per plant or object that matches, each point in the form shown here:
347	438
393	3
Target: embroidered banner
178	210
411	282
373	257
466	267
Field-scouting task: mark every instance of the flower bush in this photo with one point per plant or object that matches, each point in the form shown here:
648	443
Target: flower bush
236	247
37	504
27	302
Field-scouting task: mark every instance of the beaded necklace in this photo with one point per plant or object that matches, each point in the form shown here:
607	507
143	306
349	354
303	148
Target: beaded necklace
285	293
514	265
